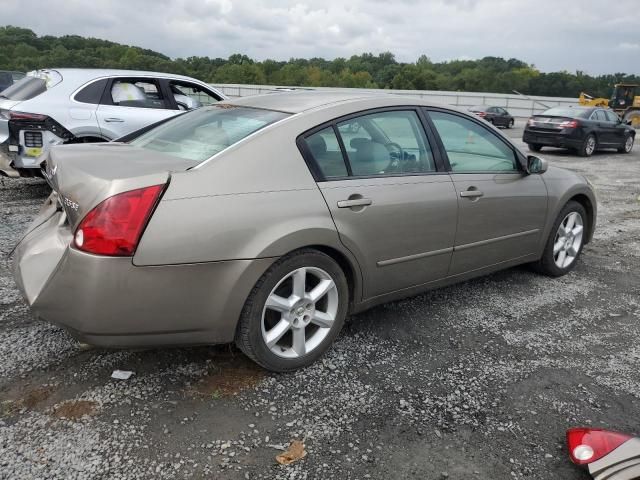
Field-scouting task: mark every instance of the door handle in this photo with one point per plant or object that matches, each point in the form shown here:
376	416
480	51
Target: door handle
113	120
356	202
471	194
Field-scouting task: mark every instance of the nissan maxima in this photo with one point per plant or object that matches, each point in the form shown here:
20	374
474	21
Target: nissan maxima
267	220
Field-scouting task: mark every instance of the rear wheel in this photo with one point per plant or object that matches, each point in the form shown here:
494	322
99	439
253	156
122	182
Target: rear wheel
565	242
294	312
628	144
588	146
535	147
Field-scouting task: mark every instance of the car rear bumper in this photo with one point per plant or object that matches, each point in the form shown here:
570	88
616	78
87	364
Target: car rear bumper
108	301
551	139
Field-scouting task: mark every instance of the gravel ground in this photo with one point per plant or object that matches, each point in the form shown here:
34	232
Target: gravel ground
478	380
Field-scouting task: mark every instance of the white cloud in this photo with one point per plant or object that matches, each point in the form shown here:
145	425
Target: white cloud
629	46
550	34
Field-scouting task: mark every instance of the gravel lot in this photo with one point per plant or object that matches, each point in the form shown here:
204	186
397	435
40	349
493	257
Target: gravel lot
479	380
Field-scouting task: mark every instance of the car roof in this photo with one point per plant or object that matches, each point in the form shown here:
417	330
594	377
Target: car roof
301	101
86	74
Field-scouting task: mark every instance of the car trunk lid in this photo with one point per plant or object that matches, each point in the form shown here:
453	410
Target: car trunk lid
84	175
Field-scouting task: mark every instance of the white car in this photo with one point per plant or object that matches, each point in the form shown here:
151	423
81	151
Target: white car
73	105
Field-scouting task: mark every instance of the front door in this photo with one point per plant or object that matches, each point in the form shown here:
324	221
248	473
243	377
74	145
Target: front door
502	210
391	206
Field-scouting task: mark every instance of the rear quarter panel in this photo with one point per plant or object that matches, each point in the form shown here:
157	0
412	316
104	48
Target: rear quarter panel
256	199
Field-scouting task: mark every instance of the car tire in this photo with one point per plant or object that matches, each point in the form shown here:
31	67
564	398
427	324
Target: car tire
561	252
535	147
589	146
628	144
286	335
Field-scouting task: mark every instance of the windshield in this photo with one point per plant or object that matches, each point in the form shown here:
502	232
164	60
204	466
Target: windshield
567	112
200	134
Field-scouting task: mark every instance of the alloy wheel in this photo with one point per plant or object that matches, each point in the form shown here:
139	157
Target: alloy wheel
299	312
628	144
568	240
591	145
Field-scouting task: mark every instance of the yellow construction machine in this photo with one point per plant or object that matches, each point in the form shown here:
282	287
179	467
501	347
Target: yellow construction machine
625	101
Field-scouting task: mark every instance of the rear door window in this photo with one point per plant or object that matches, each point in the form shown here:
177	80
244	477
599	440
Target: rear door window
386	143
127	92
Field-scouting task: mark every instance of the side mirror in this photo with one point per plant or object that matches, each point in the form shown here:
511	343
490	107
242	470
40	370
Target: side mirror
536	165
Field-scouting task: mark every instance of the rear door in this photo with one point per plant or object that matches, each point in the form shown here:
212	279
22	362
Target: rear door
131	103
502	210
392	204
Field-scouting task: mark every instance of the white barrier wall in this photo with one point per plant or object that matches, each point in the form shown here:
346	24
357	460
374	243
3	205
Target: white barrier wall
517	105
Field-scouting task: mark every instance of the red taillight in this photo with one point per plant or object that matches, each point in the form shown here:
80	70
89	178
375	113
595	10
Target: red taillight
586	445
481	114
26	116
570	124
115	225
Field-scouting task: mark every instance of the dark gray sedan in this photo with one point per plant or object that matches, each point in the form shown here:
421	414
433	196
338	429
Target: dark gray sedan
267	220
497	116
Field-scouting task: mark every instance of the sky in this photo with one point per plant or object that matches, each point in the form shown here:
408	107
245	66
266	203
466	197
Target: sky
593	36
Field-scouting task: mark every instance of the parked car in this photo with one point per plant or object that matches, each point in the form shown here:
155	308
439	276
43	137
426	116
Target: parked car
496	115
8	78
50	107
581	129
607	455
268	219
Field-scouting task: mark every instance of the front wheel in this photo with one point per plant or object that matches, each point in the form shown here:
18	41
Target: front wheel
588	146
565	242
294	312
628	144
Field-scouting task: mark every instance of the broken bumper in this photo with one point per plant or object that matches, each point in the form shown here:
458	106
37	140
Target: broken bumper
108	301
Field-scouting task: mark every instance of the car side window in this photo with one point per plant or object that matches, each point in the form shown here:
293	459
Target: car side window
92	93
386	143
599	116
326	153
611	117
189	96
137	93
471	147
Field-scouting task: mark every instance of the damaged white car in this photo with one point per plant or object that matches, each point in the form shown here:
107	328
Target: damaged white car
68	105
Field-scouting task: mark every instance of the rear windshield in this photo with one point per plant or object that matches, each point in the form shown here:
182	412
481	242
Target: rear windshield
567	112
200	134
35	83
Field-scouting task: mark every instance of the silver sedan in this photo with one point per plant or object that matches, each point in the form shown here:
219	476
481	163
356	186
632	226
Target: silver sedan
267	220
